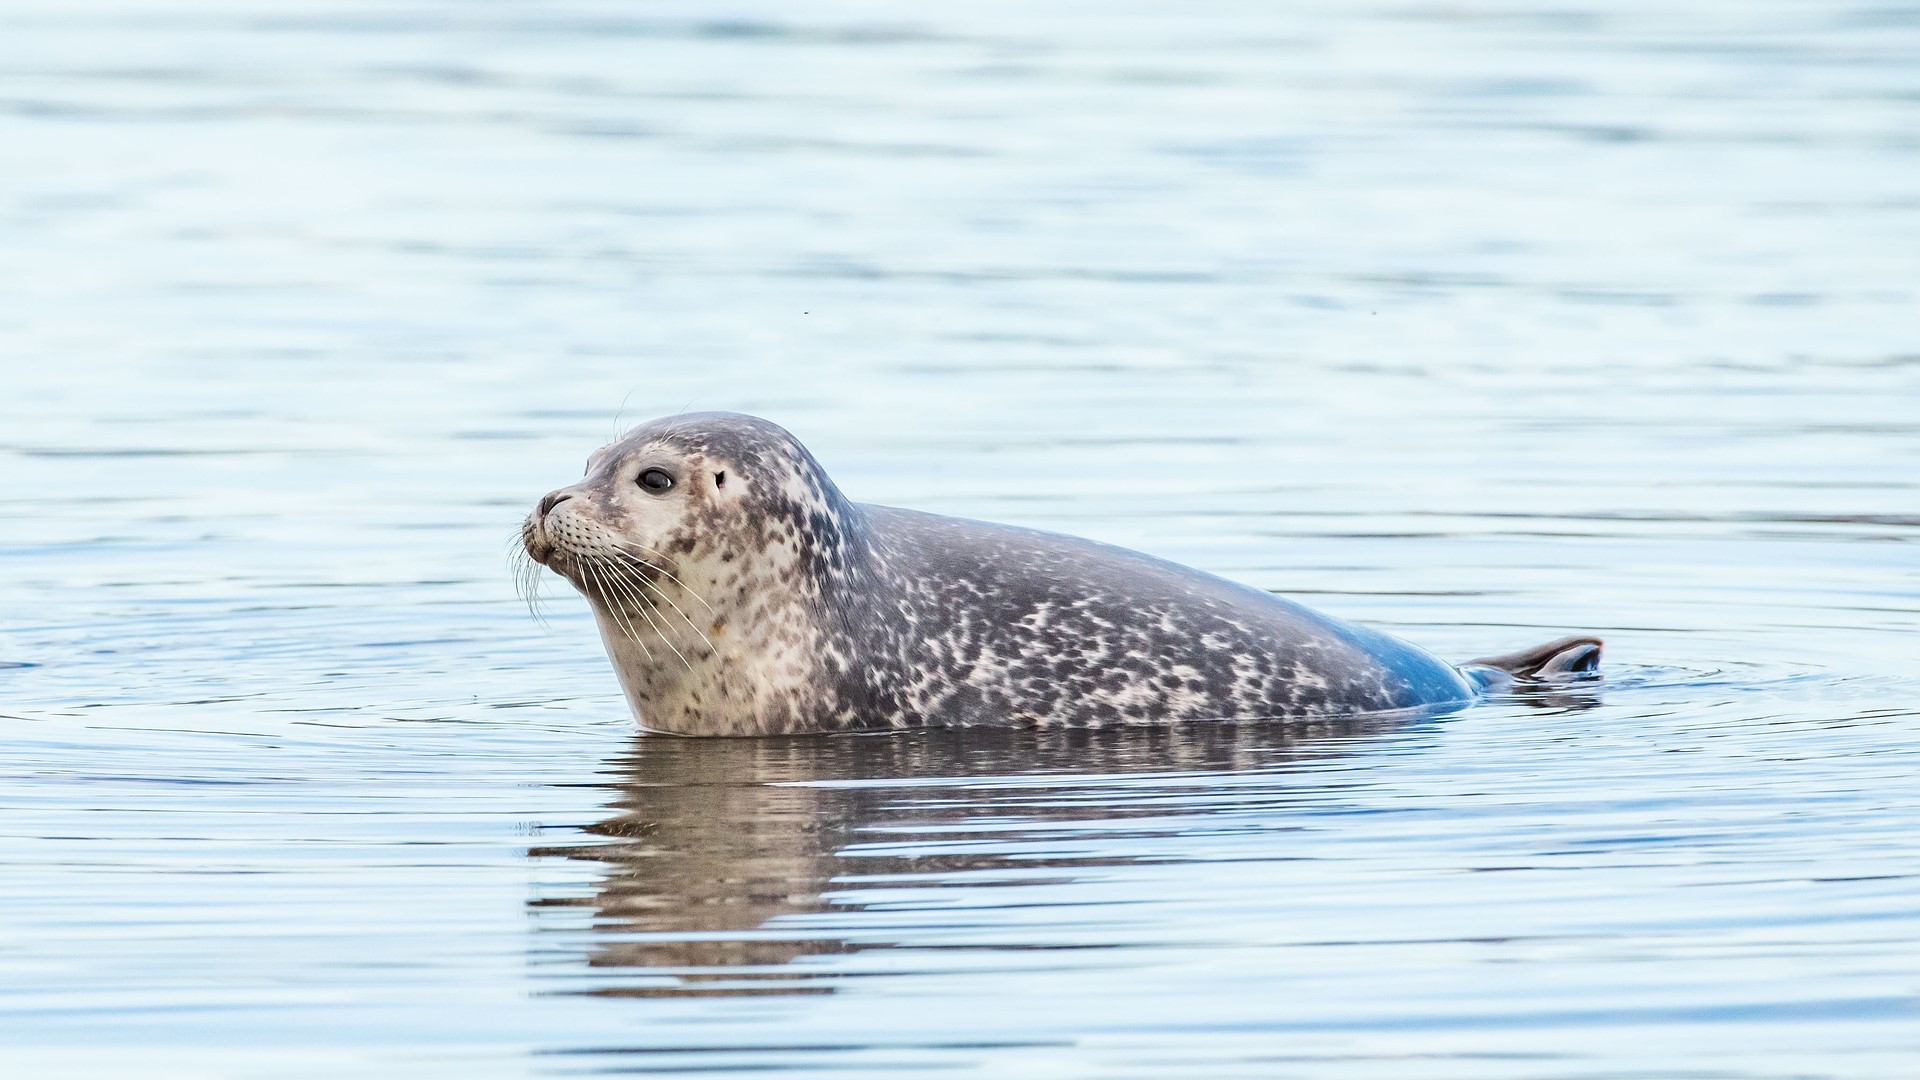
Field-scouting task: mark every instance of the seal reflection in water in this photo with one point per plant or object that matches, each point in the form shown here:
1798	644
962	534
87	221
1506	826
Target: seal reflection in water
740	593
733	869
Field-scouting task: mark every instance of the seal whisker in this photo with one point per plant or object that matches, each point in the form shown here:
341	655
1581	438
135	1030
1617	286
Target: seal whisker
614	581
619	616
526	580
691	625
595	590
647	610
643	605
661	570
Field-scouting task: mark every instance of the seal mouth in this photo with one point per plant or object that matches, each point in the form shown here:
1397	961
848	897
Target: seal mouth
539	546
587	570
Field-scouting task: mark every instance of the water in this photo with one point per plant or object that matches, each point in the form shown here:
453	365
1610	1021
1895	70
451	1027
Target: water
1480	323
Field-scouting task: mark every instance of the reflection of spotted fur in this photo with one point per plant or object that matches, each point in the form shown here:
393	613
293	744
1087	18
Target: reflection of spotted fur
710	851
779	606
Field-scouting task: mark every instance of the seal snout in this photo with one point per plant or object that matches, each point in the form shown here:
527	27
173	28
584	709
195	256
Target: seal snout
533	537
540	541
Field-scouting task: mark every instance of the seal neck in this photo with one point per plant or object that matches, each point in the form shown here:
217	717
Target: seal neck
751	645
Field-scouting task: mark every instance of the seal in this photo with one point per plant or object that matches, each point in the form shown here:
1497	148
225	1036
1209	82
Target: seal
738	592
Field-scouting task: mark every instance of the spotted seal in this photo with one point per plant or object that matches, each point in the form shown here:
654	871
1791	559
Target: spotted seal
740	593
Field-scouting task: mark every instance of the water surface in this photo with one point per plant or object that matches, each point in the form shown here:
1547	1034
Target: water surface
1479	323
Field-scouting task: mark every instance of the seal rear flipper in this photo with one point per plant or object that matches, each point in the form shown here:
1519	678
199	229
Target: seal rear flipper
1565	660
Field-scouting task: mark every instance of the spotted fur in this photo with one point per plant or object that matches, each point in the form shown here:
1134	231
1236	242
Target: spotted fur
765	602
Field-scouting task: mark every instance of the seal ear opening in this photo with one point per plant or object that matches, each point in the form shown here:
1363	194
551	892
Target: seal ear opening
720	479
1565	660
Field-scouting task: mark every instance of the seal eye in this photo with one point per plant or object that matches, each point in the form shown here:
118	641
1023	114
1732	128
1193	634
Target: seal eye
656	481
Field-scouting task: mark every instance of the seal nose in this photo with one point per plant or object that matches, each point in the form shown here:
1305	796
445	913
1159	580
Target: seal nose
553	499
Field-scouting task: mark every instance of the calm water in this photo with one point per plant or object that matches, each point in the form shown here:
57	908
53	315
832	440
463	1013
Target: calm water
1479	322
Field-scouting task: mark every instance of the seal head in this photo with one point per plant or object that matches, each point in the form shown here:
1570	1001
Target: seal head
704	544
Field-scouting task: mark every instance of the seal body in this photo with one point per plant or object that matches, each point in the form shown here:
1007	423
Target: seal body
740	593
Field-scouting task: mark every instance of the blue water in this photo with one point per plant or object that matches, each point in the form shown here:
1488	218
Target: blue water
1480	323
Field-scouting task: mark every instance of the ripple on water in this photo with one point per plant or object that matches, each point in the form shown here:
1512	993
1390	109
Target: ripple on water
1483	325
